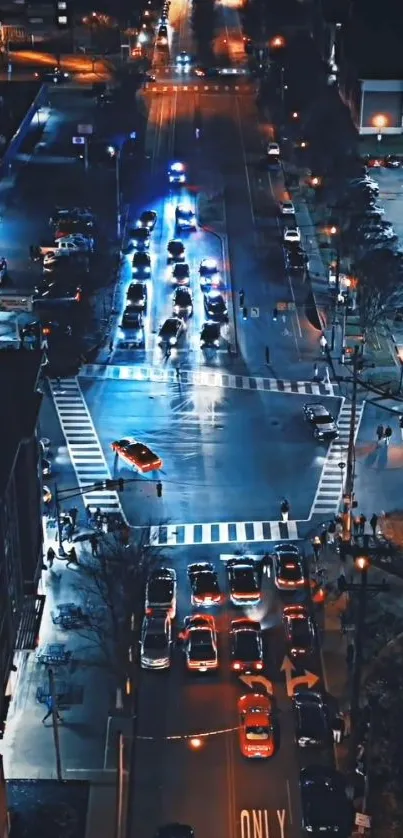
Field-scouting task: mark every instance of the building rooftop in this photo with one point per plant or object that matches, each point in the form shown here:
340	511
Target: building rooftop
21	400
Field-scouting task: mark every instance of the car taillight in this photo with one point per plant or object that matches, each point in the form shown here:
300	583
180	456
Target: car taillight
78	297
149	611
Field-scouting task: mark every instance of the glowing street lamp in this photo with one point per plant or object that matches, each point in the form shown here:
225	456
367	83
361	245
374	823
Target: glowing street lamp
380	121
277	42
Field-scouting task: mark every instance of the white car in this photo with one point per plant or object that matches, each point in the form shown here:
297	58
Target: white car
156	642
286	208
292	235
273	150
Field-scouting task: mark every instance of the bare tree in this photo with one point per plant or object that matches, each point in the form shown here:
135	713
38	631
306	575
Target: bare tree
111	584
380	274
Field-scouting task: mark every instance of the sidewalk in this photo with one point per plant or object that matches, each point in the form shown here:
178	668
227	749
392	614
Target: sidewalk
88	733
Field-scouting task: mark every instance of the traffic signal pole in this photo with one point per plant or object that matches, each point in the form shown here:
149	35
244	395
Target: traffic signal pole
350	470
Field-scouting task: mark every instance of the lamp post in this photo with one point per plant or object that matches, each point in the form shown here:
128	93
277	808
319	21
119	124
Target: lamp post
362	564
380	121
115	151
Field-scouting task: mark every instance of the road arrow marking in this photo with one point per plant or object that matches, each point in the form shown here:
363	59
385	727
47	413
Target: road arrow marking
309	679
250	680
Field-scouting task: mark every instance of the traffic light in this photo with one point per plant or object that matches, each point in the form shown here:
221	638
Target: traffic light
159	489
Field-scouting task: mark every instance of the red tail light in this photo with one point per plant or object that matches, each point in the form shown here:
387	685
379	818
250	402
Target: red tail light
149	611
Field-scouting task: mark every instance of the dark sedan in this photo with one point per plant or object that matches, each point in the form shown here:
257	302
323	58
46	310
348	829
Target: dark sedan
215	306
326	809
321	421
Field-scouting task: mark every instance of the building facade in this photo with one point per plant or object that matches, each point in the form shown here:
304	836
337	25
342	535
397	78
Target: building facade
21	537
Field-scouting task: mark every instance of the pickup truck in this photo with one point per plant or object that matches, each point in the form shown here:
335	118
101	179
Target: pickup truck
67	245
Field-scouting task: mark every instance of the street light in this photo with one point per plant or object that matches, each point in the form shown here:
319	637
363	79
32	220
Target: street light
277	42
380	121
114	151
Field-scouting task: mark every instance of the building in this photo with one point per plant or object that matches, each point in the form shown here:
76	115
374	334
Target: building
20	509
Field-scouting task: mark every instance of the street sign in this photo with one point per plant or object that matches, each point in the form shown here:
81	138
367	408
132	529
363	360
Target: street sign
85	128
11	302
78	140
363	820
254	311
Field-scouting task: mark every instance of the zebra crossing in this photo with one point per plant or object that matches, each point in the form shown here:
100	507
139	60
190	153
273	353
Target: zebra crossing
174	535
328	494
83	445
205	378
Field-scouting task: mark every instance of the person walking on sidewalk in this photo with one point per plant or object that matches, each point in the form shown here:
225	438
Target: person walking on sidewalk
72	558
315	372
73	512
50	703
338	728
379	433
373	521
285	510
88	512
50	556
323	344
363	521
94	544
316	546
69	532
388	434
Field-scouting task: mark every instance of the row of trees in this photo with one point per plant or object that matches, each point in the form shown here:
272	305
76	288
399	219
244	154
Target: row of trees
113	583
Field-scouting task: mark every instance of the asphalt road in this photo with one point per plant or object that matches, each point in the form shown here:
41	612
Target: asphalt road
213	787
228	455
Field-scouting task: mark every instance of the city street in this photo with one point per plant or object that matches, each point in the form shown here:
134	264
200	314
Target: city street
212	787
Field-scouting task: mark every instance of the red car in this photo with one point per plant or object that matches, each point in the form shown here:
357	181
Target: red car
256	730
137	455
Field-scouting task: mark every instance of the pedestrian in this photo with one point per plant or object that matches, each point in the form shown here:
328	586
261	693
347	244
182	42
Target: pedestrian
245	313
73	512
338	728
316	546
98	518
69	532
315	372
388	434
275	313
111	345
72	557
342	581
363	521
331	531
50	703
356	525
50	556
373	523
241	298
178	373
267	355
88	513
350	654
327	375
379	433
94	544
105	523
323	344
285	509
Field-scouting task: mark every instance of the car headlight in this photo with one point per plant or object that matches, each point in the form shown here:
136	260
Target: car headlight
216	342
147	269
202	343
176	309
135	270
172	341
308	827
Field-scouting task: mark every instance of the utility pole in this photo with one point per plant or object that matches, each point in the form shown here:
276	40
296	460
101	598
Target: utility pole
61	551
348	498
362	564
56	739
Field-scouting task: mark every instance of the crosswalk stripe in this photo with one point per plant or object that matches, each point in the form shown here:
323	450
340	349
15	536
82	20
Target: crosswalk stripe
205	378
221	533
83	445
330	487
